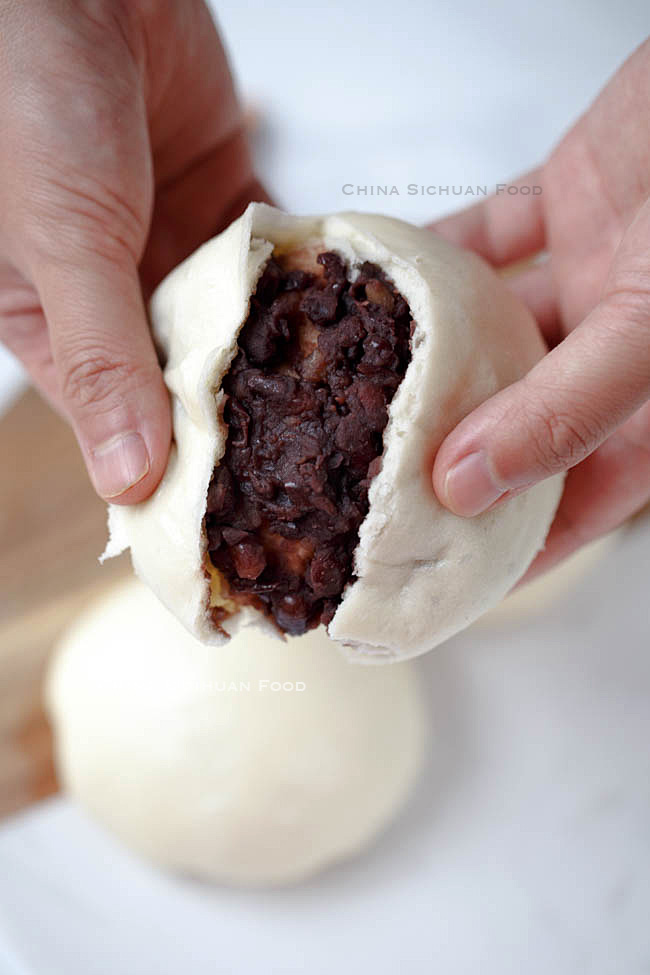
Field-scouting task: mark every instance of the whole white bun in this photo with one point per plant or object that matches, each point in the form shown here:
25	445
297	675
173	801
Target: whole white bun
422	572
197	765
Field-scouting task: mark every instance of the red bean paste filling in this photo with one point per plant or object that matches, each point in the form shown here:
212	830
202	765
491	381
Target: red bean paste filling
319	359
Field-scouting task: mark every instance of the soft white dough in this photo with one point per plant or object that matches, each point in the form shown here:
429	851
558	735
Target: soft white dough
423	573
181	751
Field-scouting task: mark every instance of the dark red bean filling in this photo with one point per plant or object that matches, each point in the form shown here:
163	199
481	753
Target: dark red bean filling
319	361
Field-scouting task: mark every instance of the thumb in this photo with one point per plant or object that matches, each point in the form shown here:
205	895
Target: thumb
76	193
554	417
110	382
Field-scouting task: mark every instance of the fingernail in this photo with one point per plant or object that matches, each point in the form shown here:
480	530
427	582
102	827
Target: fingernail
470	487
119	463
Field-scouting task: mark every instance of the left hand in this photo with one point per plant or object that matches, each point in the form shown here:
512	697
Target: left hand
585	407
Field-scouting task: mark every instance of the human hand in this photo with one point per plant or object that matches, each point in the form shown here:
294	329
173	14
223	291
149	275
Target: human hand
122	149
585	407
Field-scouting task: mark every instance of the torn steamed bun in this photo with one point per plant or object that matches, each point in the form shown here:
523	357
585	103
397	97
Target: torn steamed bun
315	365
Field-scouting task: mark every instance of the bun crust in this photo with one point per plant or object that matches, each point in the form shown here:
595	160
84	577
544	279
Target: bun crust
422	573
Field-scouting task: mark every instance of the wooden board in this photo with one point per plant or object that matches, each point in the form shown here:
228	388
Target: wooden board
52	529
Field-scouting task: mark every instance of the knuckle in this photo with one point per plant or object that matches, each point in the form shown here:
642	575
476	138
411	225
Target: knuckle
628	303
630	298
95	379
560	440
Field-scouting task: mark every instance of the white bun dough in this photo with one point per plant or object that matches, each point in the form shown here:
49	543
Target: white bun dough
422	572
182	752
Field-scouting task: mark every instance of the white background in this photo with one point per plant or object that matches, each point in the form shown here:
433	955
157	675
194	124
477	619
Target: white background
527	848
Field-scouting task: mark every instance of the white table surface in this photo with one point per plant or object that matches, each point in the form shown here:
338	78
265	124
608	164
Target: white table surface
526	849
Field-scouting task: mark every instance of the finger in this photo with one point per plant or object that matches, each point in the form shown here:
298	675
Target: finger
548	422
26	336
202	163
534	285
506	227
199	202
23	330
252	191
601	493
110	383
